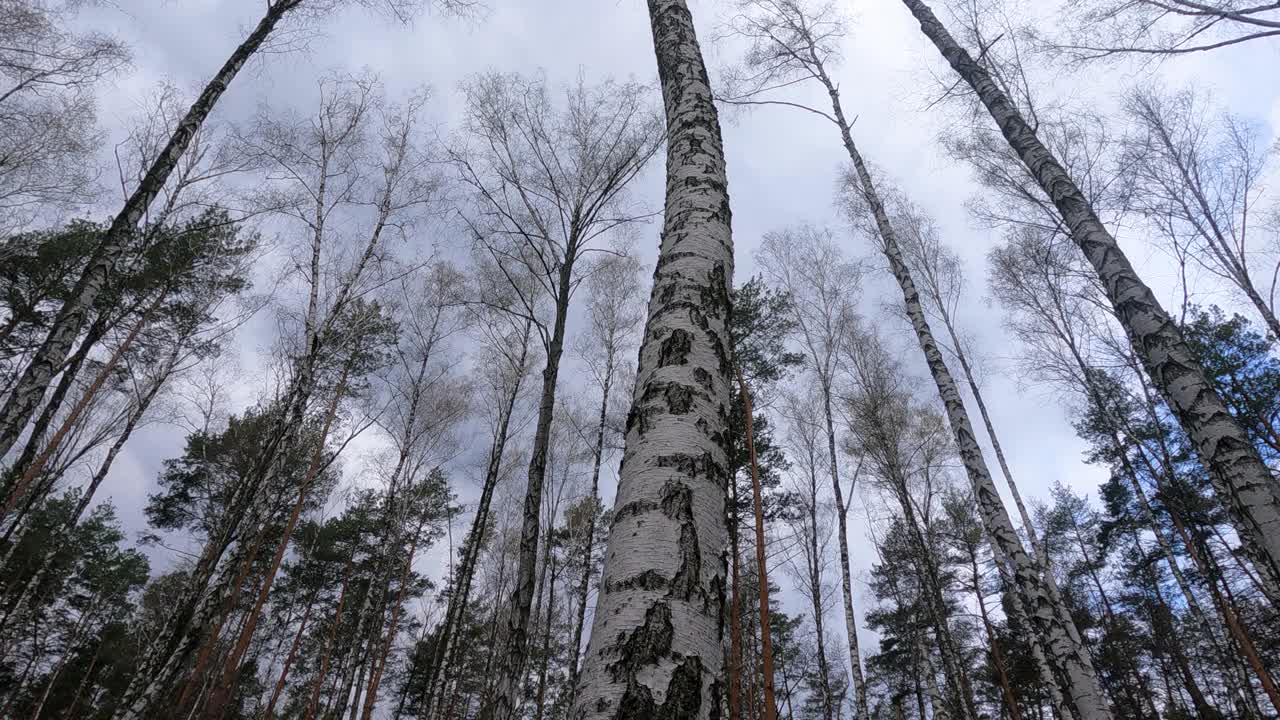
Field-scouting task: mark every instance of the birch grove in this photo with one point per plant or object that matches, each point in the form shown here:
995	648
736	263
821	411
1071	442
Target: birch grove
359	362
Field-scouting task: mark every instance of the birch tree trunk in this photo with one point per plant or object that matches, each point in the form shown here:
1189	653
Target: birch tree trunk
846	577
584	583
31	386
813	569
511	658
656	648
32	471
1247	487
1067	659
445	650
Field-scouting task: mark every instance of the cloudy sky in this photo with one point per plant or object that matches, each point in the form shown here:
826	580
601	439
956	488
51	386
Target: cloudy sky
782	164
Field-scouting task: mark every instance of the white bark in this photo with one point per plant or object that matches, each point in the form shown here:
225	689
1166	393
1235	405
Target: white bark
1069	662
1246	486
30	389
656	644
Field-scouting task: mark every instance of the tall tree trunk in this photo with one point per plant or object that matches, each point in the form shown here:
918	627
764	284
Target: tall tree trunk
445	649
1163	628
70	712
35	439
29	391
814	570
516	643
997	657
757	504
1069	661
734	670
511	660
584	583
1139	694
846	577
660	615
931	588
327	648
393	627
1245	484
270	712
231	667
20	488
86	497
540	699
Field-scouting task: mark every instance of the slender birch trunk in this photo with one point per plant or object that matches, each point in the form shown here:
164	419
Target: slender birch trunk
35	439
31	386
540	698
1068	660
814	570
1245	484
656	647
446	647
936	698
846	577
584	583
512	658
86	497
24	483
734	670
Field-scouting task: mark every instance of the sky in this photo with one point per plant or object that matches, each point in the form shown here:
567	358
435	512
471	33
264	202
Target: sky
782	164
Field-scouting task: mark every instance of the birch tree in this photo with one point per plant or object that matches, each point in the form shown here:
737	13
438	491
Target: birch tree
504	350
901	445
549	180
1197	176
48	133
324	161
29	390
1109	29
812	529
791	42
614	317
823	286
657	638
1244	482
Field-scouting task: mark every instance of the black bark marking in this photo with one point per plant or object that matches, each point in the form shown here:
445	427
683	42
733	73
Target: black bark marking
685	583
646	645
638	507
683	697
677	500
677	504
675	348
704	379
695	466
679	398
650	580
